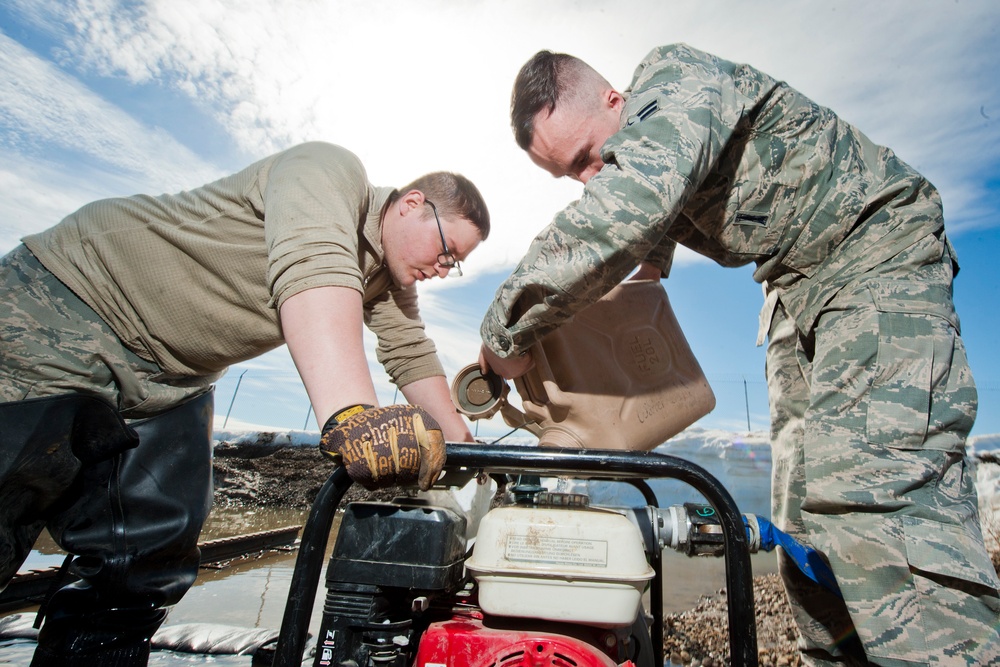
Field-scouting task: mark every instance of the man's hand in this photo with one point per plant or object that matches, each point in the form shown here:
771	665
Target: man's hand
382	447
647	271
509	367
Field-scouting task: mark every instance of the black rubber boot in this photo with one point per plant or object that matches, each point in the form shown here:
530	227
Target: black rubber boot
117	638
133	529
44	442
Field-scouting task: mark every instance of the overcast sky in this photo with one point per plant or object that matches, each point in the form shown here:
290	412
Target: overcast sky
103	98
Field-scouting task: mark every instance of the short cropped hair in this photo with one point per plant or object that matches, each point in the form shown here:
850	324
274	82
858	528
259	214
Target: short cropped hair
454	196
542	82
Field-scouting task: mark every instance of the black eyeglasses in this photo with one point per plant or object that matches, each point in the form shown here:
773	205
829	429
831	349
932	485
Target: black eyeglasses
447	258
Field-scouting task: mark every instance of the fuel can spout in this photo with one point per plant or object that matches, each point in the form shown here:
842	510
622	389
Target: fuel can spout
693	529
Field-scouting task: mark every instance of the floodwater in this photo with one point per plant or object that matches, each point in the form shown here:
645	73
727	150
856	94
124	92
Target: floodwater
244	592
251	592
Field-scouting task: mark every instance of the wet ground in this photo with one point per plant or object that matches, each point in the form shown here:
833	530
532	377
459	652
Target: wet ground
247	592
251	592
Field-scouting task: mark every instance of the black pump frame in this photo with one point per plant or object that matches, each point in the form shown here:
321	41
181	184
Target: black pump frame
631	467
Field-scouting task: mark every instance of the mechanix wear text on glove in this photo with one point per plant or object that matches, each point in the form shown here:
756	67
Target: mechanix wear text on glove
382	447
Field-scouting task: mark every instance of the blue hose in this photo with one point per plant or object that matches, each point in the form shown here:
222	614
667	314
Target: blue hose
806	558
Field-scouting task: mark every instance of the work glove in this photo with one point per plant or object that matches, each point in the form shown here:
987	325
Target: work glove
382	447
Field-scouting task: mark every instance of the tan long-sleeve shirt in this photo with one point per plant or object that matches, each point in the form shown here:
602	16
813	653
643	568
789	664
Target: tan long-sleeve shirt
193	281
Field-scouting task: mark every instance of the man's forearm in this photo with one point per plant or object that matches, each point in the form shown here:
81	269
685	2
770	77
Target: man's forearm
322	328
433	395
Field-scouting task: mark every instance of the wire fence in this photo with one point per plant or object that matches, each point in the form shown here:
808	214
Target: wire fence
277	400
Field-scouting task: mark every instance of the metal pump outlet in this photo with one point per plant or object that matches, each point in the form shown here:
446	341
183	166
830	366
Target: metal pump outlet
693	529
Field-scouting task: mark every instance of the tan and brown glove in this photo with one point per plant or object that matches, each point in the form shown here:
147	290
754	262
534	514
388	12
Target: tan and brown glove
382	447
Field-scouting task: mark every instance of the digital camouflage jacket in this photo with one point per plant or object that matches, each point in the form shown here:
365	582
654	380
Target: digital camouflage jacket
739	167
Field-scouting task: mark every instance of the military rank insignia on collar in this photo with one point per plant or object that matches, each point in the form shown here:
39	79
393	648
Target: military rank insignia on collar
645	112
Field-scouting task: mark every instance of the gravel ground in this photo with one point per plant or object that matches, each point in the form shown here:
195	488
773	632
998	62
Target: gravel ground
700	636
265	475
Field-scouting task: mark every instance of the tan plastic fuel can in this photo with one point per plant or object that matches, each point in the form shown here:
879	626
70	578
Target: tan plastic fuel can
619	375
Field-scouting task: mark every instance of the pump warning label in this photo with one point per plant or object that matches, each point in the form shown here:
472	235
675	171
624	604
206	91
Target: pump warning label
556	550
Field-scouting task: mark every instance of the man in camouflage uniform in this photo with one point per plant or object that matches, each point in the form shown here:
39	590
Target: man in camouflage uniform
871	395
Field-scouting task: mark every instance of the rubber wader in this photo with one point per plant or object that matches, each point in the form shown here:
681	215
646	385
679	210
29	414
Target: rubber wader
128	502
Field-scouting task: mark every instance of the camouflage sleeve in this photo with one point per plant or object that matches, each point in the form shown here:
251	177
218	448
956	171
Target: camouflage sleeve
677	120
662	256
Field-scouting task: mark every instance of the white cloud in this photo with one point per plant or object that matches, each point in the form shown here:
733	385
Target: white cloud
27	205
102	150
418	86
414	87
47	107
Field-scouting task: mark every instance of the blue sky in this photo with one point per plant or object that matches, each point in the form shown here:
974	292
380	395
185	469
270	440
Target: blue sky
103	98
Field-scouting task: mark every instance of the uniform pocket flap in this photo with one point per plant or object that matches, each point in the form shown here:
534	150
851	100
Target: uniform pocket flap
952	551
909	296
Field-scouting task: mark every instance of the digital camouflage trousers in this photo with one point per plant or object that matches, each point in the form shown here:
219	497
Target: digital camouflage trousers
870	414
54	343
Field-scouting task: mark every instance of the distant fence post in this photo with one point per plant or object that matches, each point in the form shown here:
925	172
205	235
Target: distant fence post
233	399
746	399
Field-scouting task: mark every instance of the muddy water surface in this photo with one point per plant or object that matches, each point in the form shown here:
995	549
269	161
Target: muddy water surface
244	592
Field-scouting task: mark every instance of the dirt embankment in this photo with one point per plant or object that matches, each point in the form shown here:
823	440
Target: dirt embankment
265	474
268	476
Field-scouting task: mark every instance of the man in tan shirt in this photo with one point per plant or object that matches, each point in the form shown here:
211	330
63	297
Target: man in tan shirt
122	316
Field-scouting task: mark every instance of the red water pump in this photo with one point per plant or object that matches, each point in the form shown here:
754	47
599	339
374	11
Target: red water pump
543	580
469	643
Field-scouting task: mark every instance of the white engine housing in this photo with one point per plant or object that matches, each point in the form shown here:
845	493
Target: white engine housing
580	565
